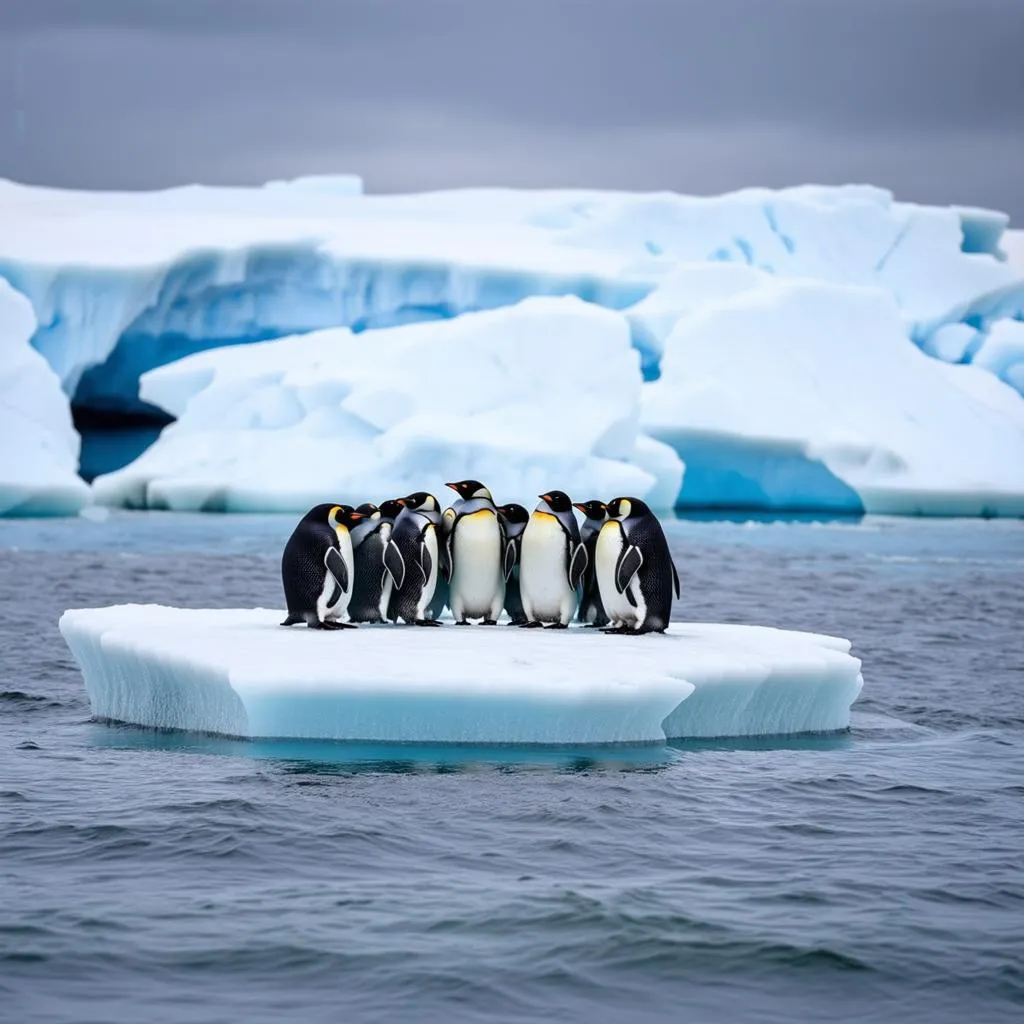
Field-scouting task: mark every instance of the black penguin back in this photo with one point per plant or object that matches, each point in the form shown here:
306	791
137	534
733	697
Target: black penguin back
368	578
656	574
302	562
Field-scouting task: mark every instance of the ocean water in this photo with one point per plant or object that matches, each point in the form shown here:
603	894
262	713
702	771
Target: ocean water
872	876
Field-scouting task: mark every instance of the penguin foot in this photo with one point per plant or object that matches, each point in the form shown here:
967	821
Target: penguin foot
616	629
335	624
556	625
489	622
531	625
463	622
426	622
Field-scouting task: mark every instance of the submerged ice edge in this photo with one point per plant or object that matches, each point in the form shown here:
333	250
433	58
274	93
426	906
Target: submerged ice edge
233	673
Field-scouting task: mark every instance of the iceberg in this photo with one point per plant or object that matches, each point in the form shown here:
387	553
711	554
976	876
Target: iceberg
1001	352
39	455
806	395
545	393
124	282
938	264
236	672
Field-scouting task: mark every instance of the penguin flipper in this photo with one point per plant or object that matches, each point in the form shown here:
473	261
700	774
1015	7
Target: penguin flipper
445	557
337	568
675	577
425	563
630	561
395	564
578	566
509	560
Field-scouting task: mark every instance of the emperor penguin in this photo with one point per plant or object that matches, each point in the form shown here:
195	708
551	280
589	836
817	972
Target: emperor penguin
475	555
411	558
596	515
440	599
513	520
371	592
635	572
552	562
317	567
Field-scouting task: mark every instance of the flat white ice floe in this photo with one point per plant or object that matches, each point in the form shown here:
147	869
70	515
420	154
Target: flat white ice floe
543	394
237	672
38	443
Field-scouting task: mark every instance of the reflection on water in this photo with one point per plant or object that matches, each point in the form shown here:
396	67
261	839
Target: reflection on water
310	756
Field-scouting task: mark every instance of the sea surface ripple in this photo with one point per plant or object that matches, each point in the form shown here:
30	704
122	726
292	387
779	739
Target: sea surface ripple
872	876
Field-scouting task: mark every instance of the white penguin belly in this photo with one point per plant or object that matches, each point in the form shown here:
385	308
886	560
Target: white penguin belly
338	610
478	585
427	593
542	573
616	606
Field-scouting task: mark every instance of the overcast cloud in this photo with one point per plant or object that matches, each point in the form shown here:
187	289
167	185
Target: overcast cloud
922	96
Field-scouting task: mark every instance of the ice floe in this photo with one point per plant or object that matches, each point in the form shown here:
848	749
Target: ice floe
237	672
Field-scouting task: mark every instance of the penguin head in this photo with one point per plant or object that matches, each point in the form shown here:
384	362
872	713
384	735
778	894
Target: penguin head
389	509
627	508
323	512
421	501
557	501
513	513
343	516
592	509
467	489
369	510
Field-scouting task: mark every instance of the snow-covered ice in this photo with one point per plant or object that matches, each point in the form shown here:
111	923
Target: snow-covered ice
1002	352
543	394
237	672
801	394
124	282
39	449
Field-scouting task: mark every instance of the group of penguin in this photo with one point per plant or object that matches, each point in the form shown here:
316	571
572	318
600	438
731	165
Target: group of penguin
406	559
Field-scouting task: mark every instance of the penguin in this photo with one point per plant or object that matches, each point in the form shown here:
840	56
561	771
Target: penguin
371	591
635	572
317	567
440	600
412	559
591	610
513	520
475	555
552	562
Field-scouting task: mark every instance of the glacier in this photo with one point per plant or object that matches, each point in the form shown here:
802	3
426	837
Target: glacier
39	455
543	394
124	286
807	395
236	672
124	282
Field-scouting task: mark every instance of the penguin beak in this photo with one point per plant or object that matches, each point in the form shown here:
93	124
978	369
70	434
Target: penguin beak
357	515
582	508
400	501
454	487
544	497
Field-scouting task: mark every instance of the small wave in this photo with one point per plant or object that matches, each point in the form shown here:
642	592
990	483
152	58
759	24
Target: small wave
19	700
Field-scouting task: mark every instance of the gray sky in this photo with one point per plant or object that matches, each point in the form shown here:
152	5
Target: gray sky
922	96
